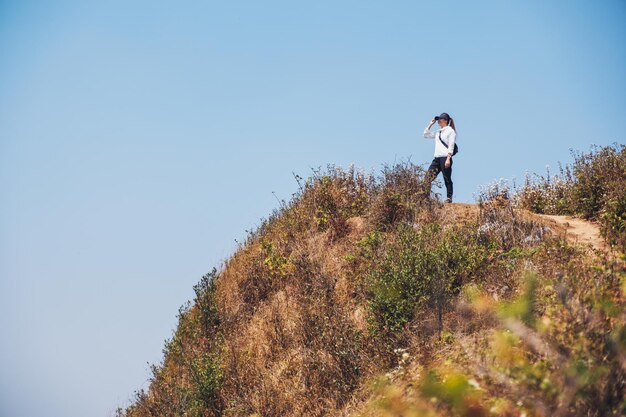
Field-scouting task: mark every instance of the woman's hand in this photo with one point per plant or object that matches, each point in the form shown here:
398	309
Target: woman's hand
447	164
432	122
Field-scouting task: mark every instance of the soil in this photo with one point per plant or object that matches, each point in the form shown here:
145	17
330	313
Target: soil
578	230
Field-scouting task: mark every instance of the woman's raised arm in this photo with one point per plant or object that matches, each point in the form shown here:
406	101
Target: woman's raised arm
427	132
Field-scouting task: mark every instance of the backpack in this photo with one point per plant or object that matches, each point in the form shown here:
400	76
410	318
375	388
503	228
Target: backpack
456	148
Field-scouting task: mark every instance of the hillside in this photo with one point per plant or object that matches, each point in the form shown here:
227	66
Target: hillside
364	296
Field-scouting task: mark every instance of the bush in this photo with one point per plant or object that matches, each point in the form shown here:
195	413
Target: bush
419	268
335	196
400	194
188	380
502	224
556	348
613	218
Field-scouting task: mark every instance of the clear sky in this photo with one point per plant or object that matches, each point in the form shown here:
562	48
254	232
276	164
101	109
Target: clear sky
139	139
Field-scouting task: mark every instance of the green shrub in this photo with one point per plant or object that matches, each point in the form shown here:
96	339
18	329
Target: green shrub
419	268
189	379
613	218
204	391
205	301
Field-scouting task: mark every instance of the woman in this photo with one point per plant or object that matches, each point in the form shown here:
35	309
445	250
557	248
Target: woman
445	139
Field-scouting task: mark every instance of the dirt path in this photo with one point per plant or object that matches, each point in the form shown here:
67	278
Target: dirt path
577	230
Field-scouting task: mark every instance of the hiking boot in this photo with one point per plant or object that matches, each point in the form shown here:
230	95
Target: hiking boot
448	200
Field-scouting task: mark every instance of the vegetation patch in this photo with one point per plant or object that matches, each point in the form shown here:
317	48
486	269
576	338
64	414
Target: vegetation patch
593	187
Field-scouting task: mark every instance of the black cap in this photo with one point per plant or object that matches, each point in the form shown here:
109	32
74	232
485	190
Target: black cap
444	116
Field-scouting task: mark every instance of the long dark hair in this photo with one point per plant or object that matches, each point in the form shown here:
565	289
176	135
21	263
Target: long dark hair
451	124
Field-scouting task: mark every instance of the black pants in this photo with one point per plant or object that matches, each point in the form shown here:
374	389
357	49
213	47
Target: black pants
436	166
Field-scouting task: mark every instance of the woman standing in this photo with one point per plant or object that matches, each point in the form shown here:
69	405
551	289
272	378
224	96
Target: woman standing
445	148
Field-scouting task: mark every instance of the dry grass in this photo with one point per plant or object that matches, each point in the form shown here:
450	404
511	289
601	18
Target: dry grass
289	324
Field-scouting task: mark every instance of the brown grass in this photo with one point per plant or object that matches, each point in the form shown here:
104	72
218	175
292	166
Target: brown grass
292	332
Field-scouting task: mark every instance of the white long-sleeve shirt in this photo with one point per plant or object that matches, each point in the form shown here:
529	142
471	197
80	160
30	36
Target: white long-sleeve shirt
448	135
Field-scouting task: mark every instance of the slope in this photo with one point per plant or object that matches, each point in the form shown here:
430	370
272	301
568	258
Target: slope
363	296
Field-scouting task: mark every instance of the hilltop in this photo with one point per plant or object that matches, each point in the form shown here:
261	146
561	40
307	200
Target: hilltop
366	296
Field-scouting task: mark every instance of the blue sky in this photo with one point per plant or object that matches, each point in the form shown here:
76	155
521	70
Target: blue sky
138	140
